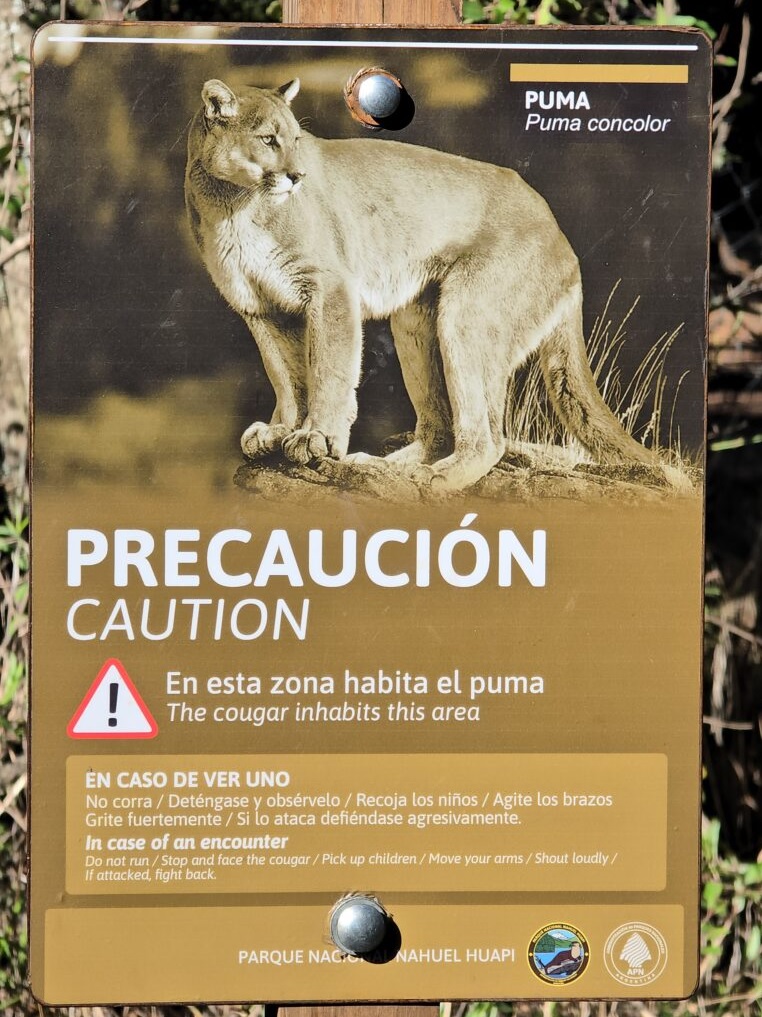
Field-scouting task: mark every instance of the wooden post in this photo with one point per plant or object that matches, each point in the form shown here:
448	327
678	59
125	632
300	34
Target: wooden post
371	12
368	12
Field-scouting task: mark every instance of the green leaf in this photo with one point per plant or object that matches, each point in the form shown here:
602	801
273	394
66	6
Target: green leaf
739	903
687	21
753	944
711	894
472	11
715	934
752	874
6	234
544	13
712	951
14	206
710	839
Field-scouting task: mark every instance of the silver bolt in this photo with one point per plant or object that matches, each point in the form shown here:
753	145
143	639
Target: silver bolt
358	924
379	95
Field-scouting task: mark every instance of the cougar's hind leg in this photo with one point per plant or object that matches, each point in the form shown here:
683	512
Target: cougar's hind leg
279	348
471	332
415	336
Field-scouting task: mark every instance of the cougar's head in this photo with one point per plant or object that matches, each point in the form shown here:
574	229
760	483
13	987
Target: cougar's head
251	138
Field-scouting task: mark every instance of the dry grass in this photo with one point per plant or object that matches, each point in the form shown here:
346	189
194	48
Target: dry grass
639	402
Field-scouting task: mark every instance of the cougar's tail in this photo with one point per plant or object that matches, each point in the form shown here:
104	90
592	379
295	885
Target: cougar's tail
575	395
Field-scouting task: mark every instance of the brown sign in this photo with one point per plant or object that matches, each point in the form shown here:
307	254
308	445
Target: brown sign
401	599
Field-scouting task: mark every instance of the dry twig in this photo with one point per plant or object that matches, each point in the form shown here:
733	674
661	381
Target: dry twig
15	247
722	107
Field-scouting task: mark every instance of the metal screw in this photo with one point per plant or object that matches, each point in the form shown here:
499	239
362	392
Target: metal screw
377	98
358	924
379	95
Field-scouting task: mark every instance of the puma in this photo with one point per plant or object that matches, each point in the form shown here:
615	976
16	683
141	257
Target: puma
306	238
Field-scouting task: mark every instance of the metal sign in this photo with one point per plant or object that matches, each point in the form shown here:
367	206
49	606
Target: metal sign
366	654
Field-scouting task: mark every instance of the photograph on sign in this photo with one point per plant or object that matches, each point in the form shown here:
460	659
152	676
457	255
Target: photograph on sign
367	652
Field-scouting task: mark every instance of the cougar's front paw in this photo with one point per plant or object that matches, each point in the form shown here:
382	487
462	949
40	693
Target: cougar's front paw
304	447
431	482
262	439
422	474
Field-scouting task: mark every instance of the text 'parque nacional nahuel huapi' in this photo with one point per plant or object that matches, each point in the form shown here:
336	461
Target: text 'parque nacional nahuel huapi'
366	654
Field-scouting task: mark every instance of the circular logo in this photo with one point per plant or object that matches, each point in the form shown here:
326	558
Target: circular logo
558	953
635	954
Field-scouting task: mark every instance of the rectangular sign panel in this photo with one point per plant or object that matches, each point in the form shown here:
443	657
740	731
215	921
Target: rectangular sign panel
367	653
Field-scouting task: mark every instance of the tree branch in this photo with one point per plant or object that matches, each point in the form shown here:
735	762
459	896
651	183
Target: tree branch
16	247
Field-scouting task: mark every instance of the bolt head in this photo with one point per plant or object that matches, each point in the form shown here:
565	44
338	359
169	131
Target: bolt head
358	925
379	96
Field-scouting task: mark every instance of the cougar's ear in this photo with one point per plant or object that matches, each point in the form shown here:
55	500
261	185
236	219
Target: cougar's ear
290	90
220	102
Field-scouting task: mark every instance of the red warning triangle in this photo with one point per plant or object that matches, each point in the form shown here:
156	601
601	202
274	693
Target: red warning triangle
112	708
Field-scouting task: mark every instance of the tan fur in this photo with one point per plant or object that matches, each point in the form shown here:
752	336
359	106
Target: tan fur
306	238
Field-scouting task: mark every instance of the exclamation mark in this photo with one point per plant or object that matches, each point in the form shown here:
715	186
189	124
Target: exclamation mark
113	693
